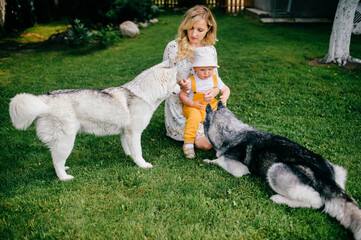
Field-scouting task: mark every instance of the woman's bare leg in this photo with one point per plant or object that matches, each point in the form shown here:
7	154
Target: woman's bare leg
202	143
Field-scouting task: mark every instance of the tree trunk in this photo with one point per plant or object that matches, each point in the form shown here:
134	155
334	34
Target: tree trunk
2	13
339	49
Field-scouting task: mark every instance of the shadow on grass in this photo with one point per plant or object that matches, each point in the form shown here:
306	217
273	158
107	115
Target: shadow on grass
10	48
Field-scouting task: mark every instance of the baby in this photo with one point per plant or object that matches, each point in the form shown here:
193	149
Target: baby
204	63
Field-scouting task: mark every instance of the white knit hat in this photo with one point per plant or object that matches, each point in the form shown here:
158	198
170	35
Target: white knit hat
205	57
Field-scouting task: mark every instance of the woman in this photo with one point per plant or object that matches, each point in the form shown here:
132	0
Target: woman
197	29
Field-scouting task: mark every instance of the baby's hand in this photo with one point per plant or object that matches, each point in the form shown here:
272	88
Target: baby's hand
224	100
210	94
197	104
207	96
184	84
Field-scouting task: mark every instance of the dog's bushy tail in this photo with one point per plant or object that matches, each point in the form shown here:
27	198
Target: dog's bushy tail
345	209
25	108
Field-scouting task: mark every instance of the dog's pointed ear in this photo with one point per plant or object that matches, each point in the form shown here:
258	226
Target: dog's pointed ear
220	105
209	108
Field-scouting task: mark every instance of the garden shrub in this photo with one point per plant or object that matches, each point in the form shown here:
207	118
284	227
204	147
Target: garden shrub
123	10
105	37
79	35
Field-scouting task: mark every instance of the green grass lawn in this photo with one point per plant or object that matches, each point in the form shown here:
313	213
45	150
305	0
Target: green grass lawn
273	87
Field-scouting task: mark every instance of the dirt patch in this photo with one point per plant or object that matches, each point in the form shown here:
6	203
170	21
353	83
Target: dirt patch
33	35
348	67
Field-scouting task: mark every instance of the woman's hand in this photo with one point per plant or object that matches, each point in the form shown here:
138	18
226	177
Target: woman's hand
184	84
210	94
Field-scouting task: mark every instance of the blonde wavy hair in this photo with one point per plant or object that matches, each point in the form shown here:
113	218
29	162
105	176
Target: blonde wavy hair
193	15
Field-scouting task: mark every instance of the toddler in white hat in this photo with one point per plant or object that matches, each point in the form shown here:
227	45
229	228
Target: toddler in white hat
194	104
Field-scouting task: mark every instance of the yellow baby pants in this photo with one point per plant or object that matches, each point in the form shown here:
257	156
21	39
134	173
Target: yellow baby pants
194	115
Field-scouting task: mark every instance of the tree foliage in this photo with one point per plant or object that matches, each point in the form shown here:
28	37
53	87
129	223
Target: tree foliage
21	14
18	15
45	11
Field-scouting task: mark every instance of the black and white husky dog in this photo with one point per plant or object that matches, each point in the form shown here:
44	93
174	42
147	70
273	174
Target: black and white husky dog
300	177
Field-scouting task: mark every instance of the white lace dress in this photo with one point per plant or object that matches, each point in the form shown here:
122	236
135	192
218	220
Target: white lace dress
173	112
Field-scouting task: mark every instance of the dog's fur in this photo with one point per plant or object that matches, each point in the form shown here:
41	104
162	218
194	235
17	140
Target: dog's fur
124	110
300	177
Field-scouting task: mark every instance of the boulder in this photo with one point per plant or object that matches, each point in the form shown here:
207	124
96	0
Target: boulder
143	25
128	29
154	20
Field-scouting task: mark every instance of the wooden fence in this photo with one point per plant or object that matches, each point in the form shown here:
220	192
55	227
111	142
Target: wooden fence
231	6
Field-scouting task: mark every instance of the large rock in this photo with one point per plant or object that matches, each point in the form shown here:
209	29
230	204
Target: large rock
154	20
128	29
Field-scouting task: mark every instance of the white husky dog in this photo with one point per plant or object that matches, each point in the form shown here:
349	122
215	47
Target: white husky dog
124	110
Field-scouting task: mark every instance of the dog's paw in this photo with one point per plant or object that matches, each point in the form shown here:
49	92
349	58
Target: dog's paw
208	161
145	165
279	199
66	177
66	168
